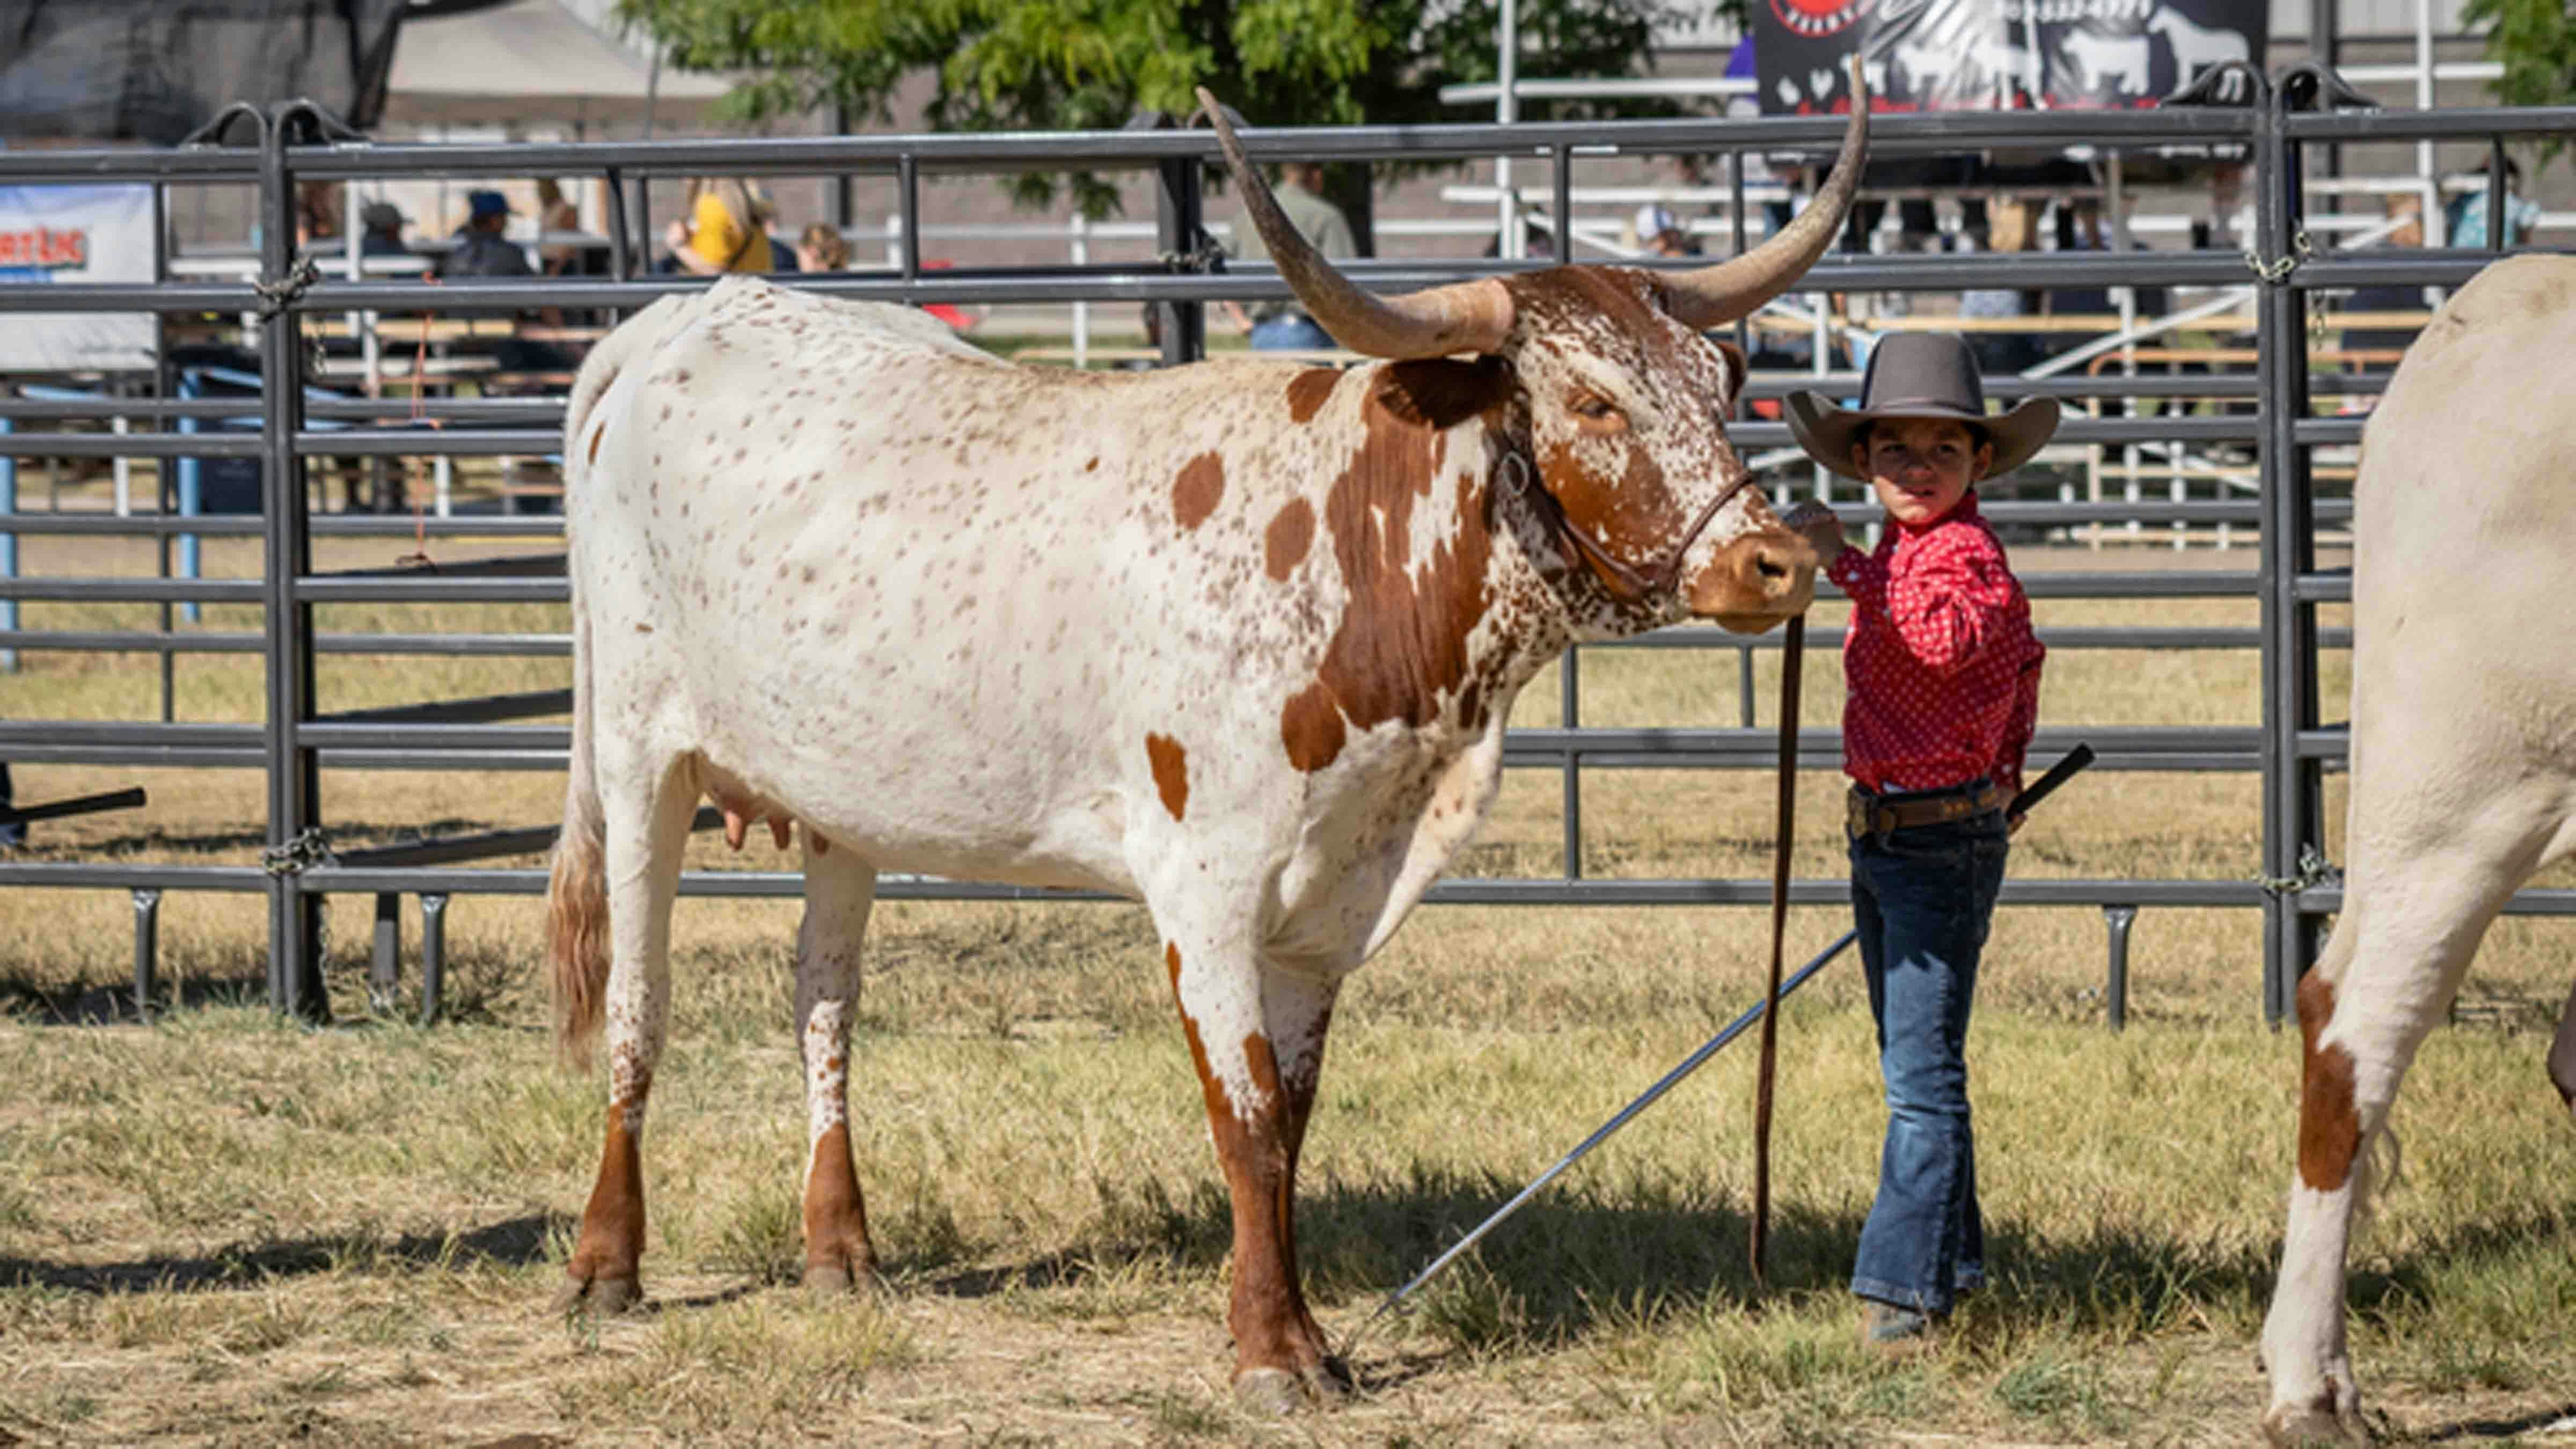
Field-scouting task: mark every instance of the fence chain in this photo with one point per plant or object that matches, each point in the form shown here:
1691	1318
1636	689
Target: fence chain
2314	870
1205	257
275	297
2276	271
301	854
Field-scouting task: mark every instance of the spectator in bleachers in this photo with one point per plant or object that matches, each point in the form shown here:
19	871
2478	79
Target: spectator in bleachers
822	248
1999	352
1661	234
2467	212
383	235
481	250
725	229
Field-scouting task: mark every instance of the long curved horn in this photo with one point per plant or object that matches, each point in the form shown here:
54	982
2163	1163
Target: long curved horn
1705	297
1464	317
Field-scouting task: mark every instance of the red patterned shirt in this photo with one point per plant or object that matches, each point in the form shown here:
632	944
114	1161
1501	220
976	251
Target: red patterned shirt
1942	667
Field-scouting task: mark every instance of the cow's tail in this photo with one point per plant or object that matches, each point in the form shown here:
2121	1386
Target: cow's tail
577	891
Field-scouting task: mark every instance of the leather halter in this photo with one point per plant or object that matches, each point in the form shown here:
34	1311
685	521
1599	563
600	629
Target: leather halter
1625	583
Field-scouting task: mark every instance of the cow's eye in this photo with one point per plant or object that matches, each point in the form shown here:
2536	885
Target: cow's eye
1597	411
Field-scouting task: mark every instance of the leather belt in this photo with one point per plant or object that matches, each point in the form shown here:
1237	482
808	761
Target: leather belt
1869	814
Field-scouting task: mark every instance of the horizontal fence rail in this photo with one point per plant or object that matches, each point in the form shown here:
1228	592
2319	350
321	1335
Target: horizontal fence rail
284	428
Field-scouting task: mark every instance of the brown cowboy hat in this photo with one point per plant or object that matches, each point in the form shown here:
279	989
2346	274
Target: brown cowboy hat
1919	375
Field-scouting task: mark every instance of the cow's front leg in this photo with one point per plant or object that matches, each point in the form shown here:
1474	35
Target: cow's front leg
1225	1002
839	889
646	830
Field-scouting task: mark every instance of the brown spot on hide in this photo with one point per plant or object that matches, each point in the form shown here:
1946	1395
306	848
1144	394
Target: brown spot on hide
612	1226
1311	727
1171	771
1308	390
1285	541
596	434
836	1214
1263	1063
1196	491
1220	1108
1092	466
1401	643
2329	1123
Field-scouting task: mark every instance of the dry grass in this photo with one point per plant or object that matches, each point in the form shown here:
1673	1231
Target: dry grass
348	1235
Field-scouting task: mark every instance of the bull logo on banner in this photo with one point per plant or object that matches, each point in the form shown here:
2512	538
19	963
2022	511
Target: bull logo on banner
1952	55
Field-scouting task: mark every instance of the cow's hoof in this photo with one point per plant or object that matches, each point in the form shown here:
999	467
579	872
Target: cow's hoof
1329	1382
831	1282
2312	1427
1269	1393
598	1295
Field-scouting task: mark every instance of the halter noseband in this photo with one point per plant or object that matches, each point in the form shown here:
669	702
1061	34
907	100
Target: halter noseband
1625	583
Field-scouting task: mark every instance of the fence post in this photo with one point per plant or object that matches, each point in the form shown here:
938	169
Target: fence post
433	954
294	782
1177	227
2115	988
384	963
147	950
2292	785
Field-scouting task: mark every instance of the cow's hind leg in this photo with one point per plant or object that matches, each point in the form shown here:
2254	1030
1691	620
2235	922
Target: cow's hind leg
647	827
839	889
2408	931
1257	1039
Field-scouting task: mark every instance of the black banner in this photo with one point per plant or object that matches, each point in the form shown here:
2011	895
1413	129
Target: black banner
1959	55
154	70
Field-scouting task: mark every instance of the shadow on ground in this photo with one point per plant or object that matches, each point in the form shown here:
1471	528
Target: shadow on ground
512	1243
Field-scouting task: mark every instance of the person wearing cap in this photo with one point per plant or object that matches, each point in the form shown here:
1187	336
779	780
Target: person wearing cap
381	224
481	250
1942	671
1661	233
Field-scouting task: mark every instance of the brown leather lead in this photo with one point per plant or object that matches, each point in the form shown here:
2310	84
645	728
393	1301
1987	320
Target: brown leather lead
1793	650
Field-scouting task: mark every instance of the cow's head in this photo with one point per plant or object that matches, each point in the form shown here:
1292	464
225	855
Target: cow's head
1614	404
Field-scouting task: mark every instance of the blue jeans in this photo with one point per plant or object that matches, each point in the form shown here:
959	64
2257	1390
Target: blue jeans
1290	330
1923	898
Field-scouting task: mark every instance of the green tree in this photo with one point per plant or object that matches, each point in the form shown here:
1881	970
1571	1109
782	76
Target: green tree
2535	41
1094	64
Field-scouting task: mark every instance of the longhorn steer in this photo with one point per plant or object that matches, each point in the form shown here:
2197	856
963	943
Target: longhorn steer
1238	639
2463	761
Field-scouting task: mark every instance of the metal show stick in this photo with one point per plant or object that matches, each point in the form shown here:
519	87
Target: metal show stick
2038	790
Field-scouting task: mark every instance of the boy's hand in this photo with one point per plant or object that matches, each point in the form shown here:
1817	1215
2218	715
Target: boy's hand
1815	522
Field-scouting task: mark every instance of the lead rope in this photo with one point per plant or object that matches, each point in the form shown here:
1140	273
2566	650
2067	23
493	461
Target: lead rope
1793	657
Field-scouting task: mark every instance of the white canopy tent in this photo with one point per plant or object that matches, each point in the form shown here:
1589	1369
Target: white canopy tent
534	67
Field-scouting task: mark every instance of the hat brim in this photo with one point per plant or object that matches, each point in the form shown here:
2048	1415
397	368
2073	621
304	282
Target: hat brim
1826	430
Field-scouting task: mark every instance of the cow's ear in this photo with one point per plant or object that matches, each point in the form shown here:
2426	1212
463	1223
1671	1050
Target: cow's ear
1443	392
1736	371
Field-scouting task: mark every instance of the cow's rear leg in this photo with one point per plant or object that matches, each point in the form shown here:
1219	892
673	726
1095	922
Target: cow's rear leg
647	827
839	889
1257	1039
2409	929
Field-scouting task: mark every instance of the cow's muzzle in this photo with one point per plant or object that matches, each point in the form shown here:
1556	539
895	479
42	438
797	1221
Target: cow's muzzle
1756	582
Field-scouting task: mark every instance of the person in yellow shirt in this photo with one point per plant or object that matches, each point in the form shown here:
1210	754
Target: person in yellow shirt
725	230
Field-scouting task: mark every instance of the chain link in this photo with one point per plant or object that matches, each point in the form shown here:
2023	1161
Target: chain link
2276	271
301	854
275	297
2314	870
1207	256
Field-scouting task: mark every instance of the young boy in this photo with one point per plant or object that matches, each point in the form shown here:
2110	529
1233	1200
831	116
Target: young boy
1943	673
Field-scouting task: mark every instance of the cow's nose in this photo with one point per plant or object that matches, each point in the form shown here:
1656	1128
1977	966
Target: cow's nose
1758	581
1777	568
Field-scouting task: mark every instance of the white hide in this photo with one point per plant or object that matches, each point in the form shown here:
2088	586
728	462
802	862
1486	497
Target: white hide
2463	737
